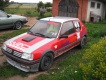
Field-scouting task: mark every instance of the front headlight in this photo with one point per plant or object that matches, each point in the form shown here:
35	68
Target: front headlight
26	19
4	46
27	56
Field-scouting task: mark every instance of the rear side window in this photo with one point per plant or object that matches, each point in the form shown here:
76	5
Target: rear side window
68	28
77	25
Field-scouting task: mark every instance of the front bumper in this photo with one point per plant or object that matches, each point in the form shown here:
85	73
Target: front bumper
24	65
24	22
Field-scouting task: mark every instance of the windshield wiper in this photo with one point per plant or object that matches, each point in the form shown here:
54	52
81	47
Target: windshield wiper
37	34
30	32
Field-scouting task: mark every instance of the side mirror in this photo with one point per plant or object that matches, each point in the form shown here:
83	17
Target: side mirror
8	15
64	36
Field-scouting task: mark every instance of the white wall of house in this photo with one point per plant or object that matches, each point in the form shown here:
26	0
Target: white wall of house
95	10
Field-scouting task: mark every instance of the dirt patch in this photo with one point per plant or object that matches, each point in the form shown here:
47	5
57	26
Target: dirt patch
31	21
30	76
5	31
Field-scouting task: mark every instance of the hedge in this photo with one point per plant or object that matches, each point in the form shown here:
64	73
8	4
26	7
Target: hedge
94	61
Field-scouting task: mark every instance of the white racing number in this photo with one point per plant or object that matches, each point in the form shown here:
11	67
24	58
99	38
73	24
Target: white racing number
18	45
78	35
77	25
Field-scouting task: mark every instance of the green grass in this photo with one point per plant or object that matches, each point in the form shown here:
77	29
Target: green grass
26	12
32	12
9	71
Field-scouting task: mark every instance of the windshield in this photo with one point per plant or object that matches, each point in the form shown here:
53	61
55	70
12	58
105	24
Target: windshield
45	29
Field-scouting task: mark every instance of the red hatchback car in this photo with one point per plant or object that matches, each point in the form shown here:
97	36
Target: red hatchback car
47	39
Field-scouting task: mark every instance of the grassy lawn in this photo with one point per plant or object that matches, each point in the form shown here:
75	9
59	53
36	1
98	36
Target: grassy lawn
68	68
26	12
31	12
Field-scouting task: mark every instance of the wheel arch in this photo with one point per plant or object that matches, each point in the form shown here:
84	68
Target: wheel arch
16	22
43	54
47	51
85	36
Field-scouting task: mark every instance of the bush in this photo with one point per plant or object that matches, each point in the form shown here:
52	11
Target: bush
49	10
94	62
28	13
47	14
31	13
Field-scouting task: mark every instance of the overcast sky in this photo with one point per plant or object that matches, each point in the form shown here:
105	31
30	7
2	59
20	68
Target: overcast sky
31	1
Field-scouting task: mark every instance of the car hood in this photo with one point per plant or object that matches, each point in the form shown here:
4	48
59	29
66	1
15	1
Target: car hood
27	42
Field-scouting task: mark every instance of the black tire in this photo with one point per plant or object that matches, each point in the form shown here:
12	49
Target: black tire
83	42
46	62
17	25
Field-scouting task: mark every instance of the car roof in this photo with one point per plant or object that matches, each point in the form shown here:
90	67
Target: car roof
59	19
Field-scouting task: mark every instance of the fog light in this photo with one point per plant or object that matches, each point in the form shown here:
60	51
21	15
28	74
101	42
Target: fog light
27	67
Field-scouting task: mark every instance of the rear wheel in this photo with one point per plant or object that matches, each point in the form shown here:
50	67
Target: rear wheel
83	42
46	62
18	25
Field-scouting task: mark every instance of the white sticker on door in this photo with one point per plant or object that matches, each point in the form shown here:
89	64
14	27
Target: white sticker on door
78	35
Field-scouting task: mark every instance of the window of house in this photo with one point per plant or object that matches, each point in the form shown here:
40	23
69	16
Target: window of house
92	4
98	5
68	28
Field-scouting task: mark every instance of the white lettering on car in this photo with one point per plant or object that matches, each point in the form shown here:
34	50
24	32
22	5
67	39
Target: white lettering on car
18	45
78	35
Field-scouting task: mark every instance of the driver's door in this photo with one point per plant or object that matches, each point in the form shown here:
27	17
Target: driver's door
5	21
65	44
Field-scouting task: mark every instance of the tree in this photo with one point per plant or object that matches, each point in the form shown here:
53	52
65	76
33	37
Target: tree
41	8
40	4
48	4
3	3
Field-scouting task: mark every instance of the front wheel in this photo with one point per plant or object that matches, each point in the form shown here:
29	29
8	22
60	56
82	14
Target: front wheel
18	25
46	62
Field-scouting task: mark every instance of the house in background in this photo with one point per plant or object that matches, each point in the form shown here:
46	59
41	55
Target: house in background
86	10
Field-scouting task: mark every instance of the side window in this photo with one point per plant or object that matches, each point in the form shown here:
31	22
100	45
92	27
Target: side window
2	14
77	25
68	28
92	4
98	5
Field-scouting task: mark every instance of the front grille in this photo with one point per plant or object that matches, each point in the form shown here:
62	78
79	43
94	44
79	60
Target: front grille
13	52
18	54
9	50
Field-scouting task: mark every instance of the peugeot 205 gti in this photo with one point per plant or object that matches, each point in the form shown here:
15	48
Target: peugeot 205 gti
47	39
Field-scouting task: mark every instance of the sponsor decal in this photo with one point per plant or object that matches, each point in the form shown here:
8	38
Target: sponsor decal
66	43
18	45
78	35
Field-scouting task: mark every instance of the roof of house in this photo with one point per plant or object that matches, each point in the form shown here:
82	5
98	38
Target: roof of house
59	19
